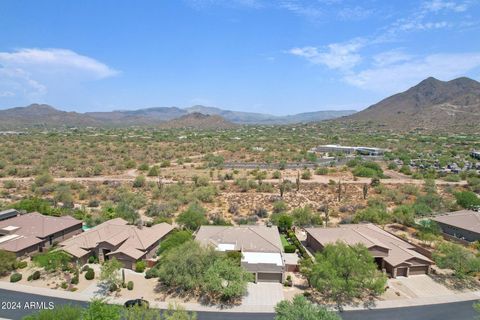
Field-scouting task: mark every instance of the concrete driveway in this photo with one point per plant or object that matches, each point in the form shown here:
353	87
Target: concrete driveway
419	286
263	294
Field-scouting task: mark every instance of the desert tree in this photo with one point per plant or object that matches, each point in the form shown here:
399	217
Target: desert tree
301	308
344	274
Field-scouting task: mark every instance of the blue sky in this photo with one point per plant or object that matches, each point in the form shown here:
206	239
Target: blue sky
281	57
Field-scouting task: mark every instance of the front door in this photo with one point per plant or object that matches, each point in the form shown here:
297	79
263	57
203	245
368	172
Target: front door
105	256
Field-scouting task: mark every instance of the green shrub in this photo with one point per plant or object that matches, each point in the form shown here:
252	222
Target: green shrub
113	287
22	264
15	277
90	274
306	175
321	171
153	172
64	285
467	199
52	260
140	266
139	182
143	167
151	273
362	171
75	280
34	276
290	248
130	285
91	259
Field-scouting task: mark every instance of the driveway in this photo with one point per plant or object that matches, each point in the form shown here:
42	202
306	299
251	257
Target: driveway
419	286
263	294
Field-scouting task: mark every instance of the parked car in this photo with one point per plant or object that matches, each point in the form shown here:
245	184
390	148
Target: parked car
137	302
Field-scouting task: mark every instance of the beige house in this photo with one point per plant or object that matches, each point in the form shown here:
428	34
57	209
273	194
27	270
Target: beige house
392	254
261	248
29	233
463	224
115	238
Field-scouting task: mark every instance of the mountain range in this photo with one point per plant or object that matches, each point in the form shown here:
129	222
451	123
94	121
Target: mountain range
42	115
430	105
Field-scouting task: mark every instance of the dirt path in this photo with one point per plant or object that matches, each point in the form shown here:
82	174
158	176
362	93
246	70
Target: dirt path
130	176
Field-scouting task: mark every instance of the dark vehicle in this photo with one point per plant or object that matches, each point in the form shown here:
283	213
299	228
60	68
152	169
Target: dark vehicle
137	302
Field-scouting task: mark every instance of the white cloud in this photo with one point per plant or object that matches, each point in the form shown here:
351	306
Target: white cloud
301	9
56	60
439	5
30	73
399	76
341	56
18	82
354	13
390	57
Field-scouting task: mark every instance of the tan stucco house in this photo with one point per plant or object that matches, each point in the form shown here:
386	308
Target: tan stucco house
261	248
392	254
463	224
116	238
31	232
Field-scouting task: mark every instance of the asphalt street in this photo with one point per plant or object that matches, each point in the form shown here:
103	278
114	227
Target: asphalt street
15	305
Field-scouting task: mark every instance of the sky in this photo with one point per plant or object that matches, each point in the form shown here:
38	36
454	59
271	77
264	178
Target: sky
272	56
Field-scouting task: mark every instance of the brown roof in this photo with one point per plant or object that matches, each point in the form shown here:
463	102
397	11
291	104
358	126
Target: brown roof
26	230
370	236
19	243
243	238
464	219
39	225
133	241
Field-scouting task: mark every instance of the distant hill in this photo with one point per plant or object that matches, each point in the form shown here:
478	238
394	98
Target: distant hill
198	121
262	118
431	105
44	116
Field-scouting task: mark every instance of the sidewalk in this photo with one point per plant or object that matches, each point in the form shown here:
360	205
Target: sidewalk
420	301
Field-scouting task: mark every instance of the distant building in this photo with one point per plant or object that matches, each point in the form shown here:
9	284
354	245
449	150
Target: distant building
392	254
476	154
463	224
369	151
7	133
261	248
28	233
335	148
116	238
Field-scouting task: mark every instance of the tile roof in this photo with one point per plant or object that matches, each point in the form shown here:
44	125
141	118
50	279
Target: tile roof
368	234
19	243
243	238
39	225
133	241
29	229
463	219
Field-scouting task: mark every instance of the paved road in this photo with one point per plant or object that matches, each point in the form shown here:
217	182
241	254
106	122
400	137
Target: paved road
20	298
447	311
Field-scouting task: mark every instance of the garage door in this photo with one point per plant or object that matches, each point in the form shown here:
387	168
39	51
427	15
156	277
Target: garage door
269	277
418	270
401	272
